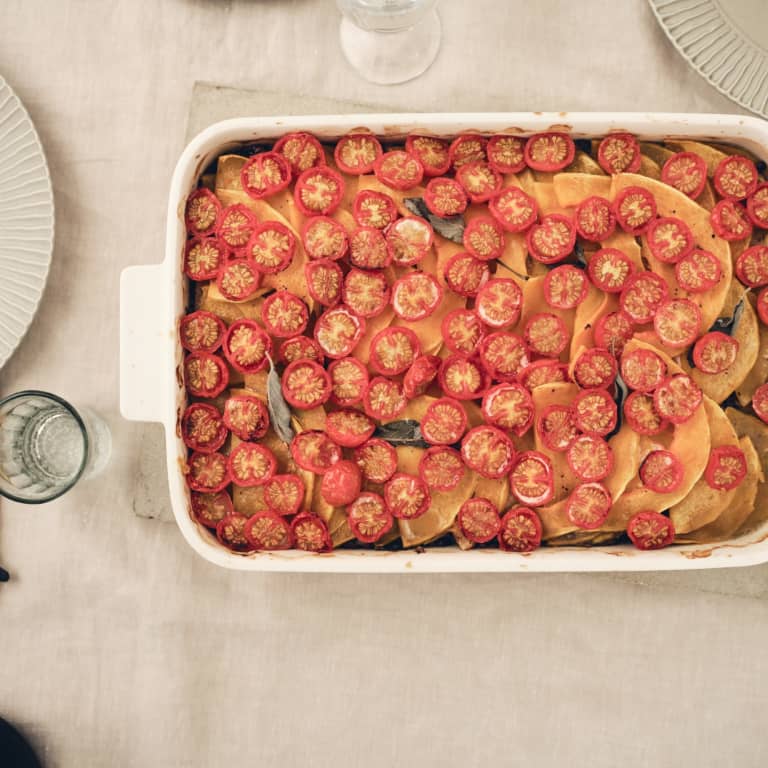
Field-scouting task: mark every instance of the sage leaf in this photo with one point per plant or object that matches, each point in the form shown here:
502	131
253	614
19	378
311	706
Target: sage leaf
402	432
730	324
279	412
449	227
622	393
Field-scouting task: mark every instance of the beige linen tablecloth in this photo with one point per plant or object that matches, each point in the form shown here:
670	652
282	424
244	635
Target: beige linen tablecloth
121	647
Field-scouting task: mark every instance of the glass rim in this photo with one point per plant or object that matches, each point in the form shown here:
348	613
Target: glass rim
83	431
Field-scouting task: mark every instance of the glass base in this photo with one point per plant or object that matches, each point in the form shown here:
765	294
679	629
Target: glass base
391	57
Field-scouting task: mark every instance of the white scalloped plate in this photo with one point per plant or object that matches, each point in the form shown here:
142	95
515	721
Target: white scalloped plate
26	221
725	41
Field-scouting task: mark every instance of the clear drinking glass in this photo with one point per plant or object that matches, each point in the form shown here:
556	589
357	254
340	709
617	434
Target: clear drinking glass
46	446
389	41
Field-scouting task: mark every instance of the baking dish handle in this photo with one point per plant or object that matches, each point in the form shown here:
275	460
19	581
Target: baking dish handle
144	343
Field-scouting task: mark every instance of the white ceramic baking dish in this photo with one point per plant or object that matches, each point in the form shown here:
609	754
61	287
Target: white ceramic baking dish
153	298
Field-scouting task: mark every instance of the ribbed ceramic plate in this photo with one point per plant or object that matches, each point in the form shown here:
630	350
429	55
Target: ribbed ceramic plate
725	41
26	221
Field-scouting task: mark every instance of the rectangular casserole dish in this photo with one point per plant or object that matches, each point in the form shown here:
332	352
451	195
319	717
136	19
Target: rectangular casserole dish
154	297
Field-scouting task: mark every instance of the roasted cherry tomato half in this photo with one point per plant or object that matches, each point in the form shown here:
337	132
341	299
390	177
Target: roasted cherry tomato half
488	451
467	148
484	238
368	518
338	330
202	428
510	407
318	191
210	508
465	275
393	350
231	533
762	306
642	295
246	417
271	247
399	170
757	206
595	368
416	296
479	180
247	346
662	471
324	238
726	467
760	402
441	468
203	258
677	398
479	520
588	505
594	219
462	331
678	322
409	240
377	460
635	209
735	177
445	197
324	281
642	370
266	530
314	451
444	422
265	174
641	414
531	480
594	412
609	269
384	399
546	334
357	153
506	154
349	380
341	484
236	226
202	212
301	150
670	239
251	464
715	352
542	372
420	375
462	377
551	240
504	355
368	249
730	221
613	331
310	533
549	151
406	496
686	172
499	302
208	472
284	314
238	280
520	530
619	153
556	427
698	272
650	530
514	209
373	209
365	292
201	331
432	152
590	458
205	375
752	266
565	287
349	428
306	384
299	348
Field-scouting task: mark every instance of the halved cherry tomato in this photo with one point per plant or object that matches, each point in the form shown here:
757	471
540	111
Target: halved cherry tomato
542	372
513	209
202	428
504	355
208	472
238	280
479	180
399	170
445	197
735	177
284	314
201	331
650	530
348	427
726	467
265	174
635	209
498	302
613	331
484	238
246	346
467	148
366	293
760	402
368	517
324	281
595	368
202	212
338	330
752	266
556	427
551	240
246	417
590	458
210	508
205	375
462	331
641	414
520	530
299	348
357	153
465	274
406	496
306	384
479	520
546	334
341	484
662	471
730	221
594	219
250	464
510	407
301	150
588	505
678	322
318	191
349	380
203	258
416	296
642	370
409	240
715	352
266	530
565	287
271	247
698	272
462	377
231	533
324	238
762	306
488	451
642	295
377	460
314	451
619	153
441	468
757	206
384	399
420	375
549	151
594	412
609	269
686	172
310	533
444	422
531	480
432	152
373	209
670	239
236	226
506	154
677	398
368	249
393	350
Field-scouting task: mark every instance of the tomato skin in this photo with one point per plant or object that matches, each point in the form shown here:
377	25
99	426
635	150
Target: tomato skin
541	372
635	209
246	346
594	219
730	221
302	150
642	370
356	153
431	151
613	331
202	212
588	505
202	428
349	428
760	402
409	240
230	532
208	472
210	508
520	420
595	412
333	343
377	460
368	249
324	281
399	170
314	451
698	272
246	417
341	484
299	348
324	238
438	460
595	367
236	226
590	458
284	314
752	266
420	375
757	206
479	180
715	352
686	172
310	533
552	239
205	375
416	296
484	238
373	209
365	292
368	518
670	239
318	191
201	332
265	174
203	258
268	531
384	399
514	209
536	491
565	287
506	154
343	392
467	148
496	451
520	530
677	398
462	331
240	463
546	334
642	295
275	494
504	355
609	269
466	274
662	471
462	377
271	247
445	197
312	377
406	496
619	153
650	530
762	306
549	151
735	177
726	467
479	520
556	427
677	322
499	302
444	422
640	405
